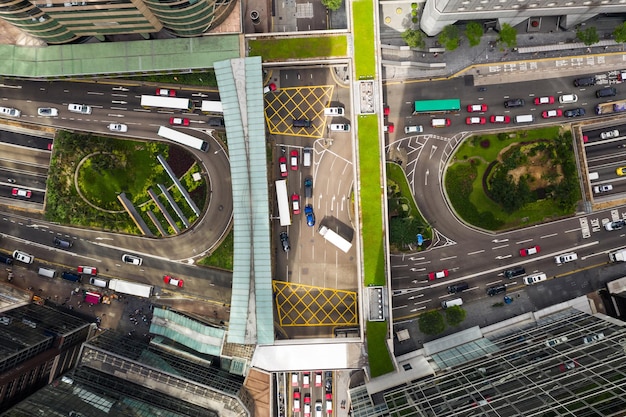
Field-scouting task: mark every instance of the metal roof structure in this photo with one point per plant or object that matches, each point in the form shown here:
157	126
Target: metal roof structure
241	92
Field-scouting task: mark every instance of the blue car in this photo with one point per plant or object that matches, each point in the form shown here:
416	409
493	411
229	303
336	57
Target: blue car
310	216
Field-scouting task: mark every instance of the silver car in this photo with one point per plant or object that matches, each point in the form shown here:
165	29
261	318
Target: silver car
47	111
118	127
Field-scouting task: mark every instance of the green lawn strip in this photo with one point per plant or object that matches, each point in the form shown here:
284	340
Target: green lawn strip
273	49
222	256
379	360
396	174
206	78
371	208
363	35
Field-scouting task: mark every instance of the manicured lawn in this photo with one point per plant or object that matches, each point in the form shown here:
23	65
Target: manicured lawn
222	257
371	199
299	48
379	360
364	45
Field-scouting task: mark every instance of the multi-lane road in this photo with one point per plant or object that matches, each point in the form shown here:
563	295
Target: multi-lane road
476	256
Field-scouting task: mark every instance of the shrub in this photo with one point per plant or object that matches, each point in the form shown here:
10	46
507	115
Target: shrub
431	323
455	315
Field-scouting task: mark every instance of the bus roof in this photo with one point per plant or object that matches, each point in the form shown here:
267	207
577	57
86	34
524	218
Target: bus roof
428	106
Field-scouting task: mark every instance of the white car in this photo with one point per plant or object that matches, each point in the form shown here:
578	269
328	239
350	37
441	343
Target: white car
47	111
616	225
131	259
593	338
23	257
334	111
610	134
340	127
557	341
533	279
9	111
79	108
602	188
566	257
118	127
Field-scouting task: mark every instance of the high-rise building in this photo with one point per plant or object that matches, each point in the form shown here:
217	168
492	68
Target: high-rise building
37	344
58	22
565	362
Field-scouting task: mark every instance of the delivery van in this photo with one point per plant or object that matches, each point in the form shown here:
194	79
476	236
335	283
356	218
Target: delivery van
48	273
98	282
307	154
452	302
524	118
568	98
70	276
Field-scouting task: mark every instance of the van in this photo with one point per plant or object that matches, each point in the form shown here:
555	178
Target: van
70	276
593	176
568	98
440	122
63	244
79	108
585	81
334	111
7	260
301	123
450	303
413	129
524	118
514	272
533	279
45	272
460	287
307	156
606	92
514	102
98	282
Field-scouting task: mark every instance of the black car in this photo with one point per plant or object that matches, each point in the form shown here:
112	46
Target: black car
514	102
585	81
515	272
498	289
308	187
284	240
574	112
460	287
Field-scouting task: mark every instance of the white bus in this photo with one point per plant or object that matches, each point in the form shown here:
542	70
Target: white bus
162	102
335	239
212	106
283	203
183	138
132	288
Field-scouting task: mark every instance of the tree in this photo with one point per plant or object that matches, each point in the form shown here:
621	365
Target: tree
332	4
431	323
473	32
414	38
455	315
620	33
449	37
588	36
508	35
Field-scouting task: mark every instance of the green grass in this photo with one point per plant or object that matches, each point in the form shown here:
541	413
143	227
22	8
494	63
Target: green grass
371	200
299	48
206	79
379	360
364	44
222	257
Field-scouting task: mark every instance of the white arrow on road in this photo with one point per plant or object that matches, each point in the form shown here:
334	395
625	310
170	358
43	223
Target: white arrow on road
119	89
200	95
417	270
426	177
500	240
416	259
115	115
104	238
503	256
119	102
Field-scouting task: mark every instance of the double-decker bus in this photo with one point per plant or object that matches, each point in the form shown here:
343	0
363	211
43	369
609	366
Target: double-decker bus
283	203
162	102
437	106
212	106
183	138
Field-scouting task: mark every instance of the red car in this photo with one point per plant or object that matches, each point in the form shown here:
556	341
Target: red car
87	270
329	403
475	120
544	100
530	251
165	92
318	379
18	192
306	380
476	108
282	165
552	113
500	119
439	274
179	121
296	401
173	281
386	111
295	204
389	128
307	405
293	160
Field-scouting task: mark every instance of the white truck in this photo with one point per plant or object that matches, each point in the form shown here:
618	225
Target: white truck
618	256
131	288
335	239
